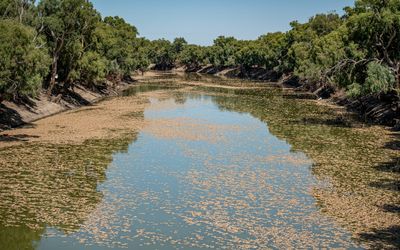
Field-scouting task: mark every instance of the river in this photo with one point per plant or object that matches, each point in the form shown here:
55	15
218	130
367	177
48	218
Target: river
197	163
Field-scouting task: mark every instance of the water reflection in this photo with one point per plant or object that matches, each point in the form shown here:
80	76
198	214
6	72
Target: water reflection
147	88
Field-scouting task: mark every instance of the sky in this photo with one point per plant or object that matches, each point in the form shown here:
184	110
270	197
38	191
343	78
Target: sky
201	21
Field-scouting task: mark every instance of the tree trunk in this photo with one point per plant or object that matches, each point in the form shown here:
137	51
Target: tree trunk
53	74
398	76
21	14
54	64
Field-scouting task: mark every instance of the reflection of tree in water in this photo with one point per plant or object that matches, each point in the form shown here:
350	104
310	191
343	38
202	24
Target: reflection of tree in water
179	97
343	155
147	88
17	238
51	185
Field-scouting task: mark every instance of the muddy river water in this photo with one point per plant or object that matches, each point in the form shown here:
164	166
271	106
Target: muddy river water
192	163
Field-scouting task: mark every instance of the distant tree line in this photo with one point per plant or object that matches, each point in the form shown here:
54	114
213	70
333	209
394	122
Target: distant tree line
64	42
358	51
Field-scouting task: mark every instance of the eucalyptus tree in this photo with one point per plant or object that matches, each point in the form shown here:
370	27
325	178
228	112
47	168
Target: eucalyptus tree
67	25
141	52
192	56
23	11
163	54
116	41
249	55
274	49
178	45
302	36
375	27
223	51
24	62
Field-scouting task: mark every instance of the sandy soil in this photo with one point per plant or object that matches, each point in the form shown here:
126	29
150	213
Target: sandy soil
14	115
106	119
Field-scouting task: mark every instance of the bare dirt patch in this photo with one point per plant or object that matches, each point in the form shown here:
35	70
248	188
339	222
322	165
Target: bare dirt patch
106	119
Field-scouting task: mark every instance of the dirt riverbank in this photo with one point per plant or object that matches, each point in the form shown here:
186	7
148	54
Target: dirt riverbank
13	114
383	109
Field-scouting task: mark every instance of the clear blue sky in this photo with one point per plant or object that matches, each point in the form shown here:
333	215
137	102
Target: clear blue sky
200	21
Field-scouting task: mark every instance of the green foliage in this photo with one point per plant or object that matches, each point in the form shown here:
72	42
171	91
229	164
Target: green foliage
375	26
115	40
359	51
22	11
379	79
141	51
323	58
308	54
68	26
275	48
163	54
355	90
179	44
83	48
250	55
224	51
92	68
23	64
323	24
192	56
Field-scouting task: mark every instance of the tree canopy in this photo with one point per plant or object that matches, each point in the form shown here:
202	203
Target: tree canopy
23	62
358	51
64	42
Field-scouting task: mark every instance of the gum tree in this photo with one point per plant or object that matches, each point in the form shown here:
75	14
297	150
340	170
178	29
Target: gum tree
375	26
66	25
23	61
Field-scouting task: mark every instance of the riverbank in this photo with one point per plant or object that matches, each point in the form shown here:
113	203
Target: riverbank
383	109
15	114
